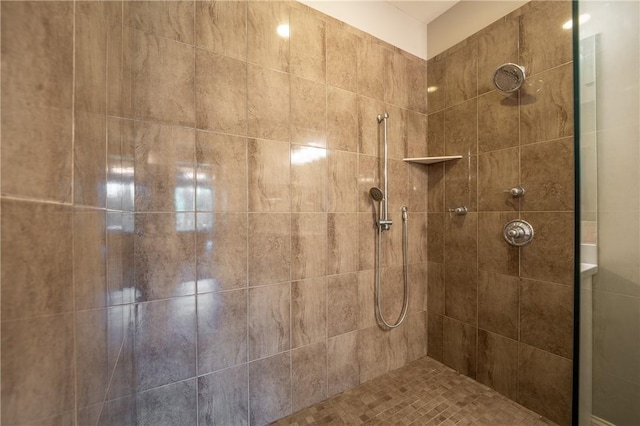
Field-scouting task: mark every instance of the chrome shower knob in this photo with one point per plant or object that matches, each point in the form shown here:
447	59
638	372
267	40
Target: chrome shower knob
516	192
518	232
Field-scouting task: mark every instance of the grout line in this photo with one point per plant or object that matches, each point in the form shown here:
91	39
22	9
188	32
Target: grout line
73	277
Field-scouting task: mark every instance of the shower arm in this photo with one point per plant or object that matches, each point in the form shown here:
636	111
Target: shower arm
384	221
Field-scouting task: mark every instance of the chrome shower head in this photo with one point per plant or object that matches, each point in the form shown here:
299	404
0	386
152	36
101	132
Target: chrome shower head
376	194
509	77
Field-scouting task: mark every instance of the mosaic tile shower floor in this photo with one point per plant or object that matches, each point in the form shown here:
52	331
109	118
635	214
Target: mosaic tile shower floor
424	392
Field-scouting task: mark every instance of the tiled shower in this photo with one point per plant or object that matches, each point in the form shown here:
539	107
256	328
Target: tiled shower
187	234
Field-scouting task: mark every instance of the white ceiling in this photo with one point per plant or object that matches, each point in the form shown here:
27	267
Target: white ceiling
425	10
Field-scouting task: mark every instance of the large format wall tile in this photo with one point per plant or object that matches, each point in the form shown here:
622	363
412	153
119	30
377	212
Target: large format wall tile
342	120
308	113
342	243
343	371
499	303
309	375
498	363
174	20
221	27
459	348
462	74
308	179
307	44
269	248
461	293
223	397
270	389
269	176
269	320
308	311
342	181
342	58
168	405
494	253
89	260
497	44
265	46
269	102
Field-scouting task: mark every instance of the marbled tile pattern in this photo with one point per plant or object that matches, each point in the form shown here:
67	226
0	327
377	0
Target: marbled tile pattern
424	392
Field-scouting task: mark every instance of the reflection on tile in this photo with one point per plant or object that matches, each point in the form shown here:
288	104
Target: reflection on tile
308	113
544	383
163	69
270	388
546	110
308	245
173	20
36	265
461	74
461	128
498	172
308	179
343	307
494	253
92	366
309	374
221	93
342	243
269	248
547	175
269	320
498	363
436	79
265	46
223	397
371	57
269	176
342	181
498	118
307	43
89	248
168	405
308	311
36	112
120	258
164	168
546	316
342	48
435	338
497	44
342	120
342	363
37	367
268	102
461	293
165	264
165	341
221	173
221	251
499	303
222	330
460	346
221	27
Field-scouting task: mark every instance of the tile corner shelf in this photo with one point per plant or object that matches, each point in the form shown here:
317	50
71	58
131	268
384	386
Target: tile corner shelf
432	160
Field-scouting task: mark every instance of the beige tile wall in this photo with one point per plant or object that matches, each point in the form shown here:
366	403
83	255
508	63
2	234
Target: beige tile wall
186	227
500	314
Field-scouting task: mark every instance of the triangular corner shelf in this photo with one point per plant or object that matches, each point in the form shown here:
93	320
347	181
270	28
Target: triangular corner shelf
432	160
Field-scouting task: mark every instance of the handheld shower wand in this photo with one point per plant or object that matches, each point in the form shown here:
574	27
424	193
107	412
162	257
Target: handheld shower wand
383	222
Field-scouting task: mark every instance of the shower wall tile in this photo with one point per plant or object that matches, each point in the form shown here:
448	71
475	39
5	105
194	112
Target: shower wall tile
37	365
418	275
119	257
119	69
546	111
308	179
368	177
372	58
435	134
308	112
92	366
498	363
343	308
494	254
174	20
89	259
36	112
342	120
547	174
549	257
417	80
418	188
435	192
36	282
342	243
269	102
221	251
461	128
369	131
265	46
308	245
435	337
269	248
546	316
308	311
343	370
417	229
396	132
222	330
416	134
544	383
366	295
90	64
221	27
164	168
108	11
436	81
461	183
269	178
396	79
309	375
165	341
343	181
397	348
435	288
373	356
398	184
497	44
272	377
269	320
221	173
416	331
499	303
391	292
497	172
163	69
172	404
366	241
461	240
220	80
223	397
462	75
498	121
459	348
461	293
165	263
308	45
544	42
342	58
435	237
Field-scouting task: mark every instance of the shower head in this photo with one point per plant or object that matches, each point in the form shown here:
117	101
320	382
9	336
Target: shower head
509	77
376	194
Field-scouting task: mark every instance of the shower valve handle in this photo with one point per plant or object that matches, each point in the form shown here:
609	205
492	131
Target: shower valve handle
516	192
